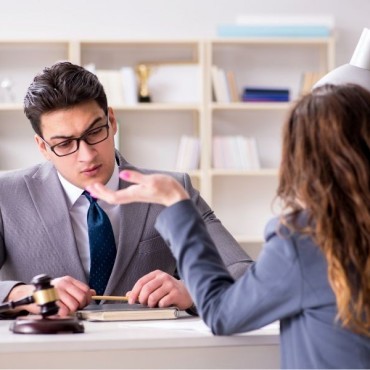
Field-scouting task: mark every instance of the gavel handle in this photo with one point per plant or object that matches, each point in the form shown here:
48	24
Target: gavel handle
13	304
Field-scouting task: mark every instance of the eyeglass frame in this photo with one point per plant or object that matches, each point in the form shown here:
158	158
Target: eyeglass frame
78	139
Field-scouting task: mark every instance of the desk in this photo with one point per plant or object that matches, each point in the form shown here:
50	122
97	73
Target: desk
182	343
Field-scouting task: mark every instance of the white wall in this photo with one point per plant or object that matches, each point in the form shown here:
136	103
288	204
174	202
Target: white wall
106	19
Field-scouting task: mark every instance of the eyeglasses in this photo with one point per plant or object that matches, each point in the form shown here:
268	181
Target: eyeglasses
94	136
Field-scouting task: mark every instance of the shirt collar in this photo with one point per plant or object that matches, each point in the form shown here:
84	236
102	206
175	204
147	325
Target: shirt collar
73	192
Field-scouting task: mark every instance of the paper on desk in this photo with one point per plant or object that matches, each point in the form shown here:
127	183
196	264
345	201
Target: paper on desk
187	324
179	324
272	328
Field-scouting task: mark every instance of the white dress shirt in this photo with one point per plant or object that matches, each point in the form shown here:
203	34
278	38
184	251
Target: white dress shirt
78	206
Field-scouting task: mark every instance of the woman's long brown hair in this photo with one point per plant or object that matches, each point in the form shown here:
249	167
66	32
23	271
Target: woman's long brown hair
325	170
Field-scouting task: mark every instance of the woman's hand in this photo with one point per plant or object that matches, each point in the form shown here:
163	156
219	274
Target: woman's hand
157	188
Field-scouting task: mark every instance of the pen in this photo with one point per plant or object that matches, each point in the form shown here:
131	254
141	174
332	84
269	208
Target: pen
110	298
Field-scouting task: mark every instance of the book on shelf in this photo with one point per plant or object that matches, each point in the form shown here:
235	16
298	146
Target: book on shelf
235	30
219	85
308	80
253	153
111	81
120	86
265	98
188	154
280	25
233	89
326	20
218	161
126	312
224	85
129	85
235	152
265	94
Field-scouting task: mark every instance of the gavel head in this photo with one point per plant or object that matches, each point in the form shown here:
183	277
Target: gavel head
45	295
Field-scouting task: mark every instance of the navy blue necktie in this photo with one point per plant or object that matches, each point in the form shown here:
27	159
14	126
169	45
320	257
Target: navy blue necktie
102	246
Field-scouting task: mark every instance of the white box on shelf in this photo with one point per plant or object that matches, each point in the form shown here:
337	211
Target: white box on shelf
175	83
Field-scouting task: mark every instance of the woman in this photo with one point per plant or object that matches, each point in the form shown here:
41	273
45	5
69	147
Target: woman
313	273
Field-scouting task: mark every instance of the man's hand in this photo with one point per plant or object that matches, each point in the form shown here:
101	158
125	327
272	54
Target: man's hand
22	291
72	293
160	289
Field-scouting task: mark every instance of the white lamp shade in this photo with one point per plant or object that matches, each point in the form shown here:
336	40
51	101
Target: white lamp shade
358	69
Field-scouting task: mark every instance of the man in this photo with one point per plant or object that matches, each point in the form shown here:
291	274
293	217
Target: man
44	226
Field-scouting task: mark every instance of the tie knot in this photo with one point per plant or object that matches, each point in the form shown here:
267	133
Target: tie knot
89	197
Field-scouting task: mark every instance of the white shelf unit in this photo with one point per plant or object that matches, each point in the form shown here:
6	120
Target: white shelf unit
150	133
244	200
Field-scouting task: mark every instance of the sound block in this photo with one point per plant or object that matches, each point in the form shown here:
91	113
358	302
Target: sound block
36	324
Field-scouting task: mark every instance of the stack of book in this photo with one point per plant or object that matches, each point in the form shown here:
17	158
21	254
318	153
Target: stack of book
235	152
278	25
308	80
265	94
224	85
120	85
188	154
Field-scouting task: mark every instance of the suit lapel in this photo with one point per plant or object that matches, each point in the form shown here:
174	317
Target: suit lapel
49	200
132	224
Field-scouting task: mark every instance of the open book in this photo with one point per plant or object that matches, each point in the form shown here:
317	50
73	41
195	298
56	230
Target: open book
126	312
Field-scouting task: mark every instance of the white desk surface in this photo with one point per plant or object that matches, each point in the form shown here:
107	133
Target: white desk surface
182	343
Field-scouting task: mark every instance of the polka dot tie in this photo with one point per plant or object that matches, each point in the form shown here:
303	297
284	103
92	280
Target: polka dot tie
102	246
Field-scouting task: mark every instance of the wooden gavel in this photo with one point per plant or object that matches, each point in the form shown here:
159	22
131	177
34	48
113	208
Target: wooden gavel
44	295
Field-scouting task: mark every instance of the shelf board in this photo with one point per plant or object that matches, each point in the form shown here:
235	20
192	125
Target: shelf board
42	42
251	106
139	42
158	107
11	107
232	172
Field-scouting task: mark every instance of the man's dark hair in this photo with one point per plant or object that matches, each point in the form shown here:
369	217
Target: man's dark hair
61	86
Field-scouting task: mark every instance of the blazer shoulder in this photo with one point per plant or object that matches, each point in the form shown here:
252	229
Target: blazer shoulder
286	228
14	176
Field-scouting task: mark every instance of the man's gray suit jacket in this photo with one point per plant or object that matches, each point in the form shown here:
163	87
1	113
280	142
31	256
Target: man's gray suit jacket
36	234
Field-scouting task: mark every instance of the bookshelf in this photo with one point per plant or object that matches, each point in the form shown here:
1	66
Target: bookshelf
147	128
244	199
150	133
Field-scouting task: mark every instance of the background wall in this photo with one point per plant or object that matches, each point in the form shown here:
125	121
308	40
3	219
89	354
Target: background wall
129	19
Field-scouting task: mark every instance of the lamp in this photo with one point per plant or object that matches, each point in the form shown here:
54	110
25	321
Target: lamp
357	71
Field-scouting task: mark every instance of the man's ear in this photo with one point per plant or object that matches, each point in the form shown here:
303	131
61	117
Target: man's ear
42	147
112	120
